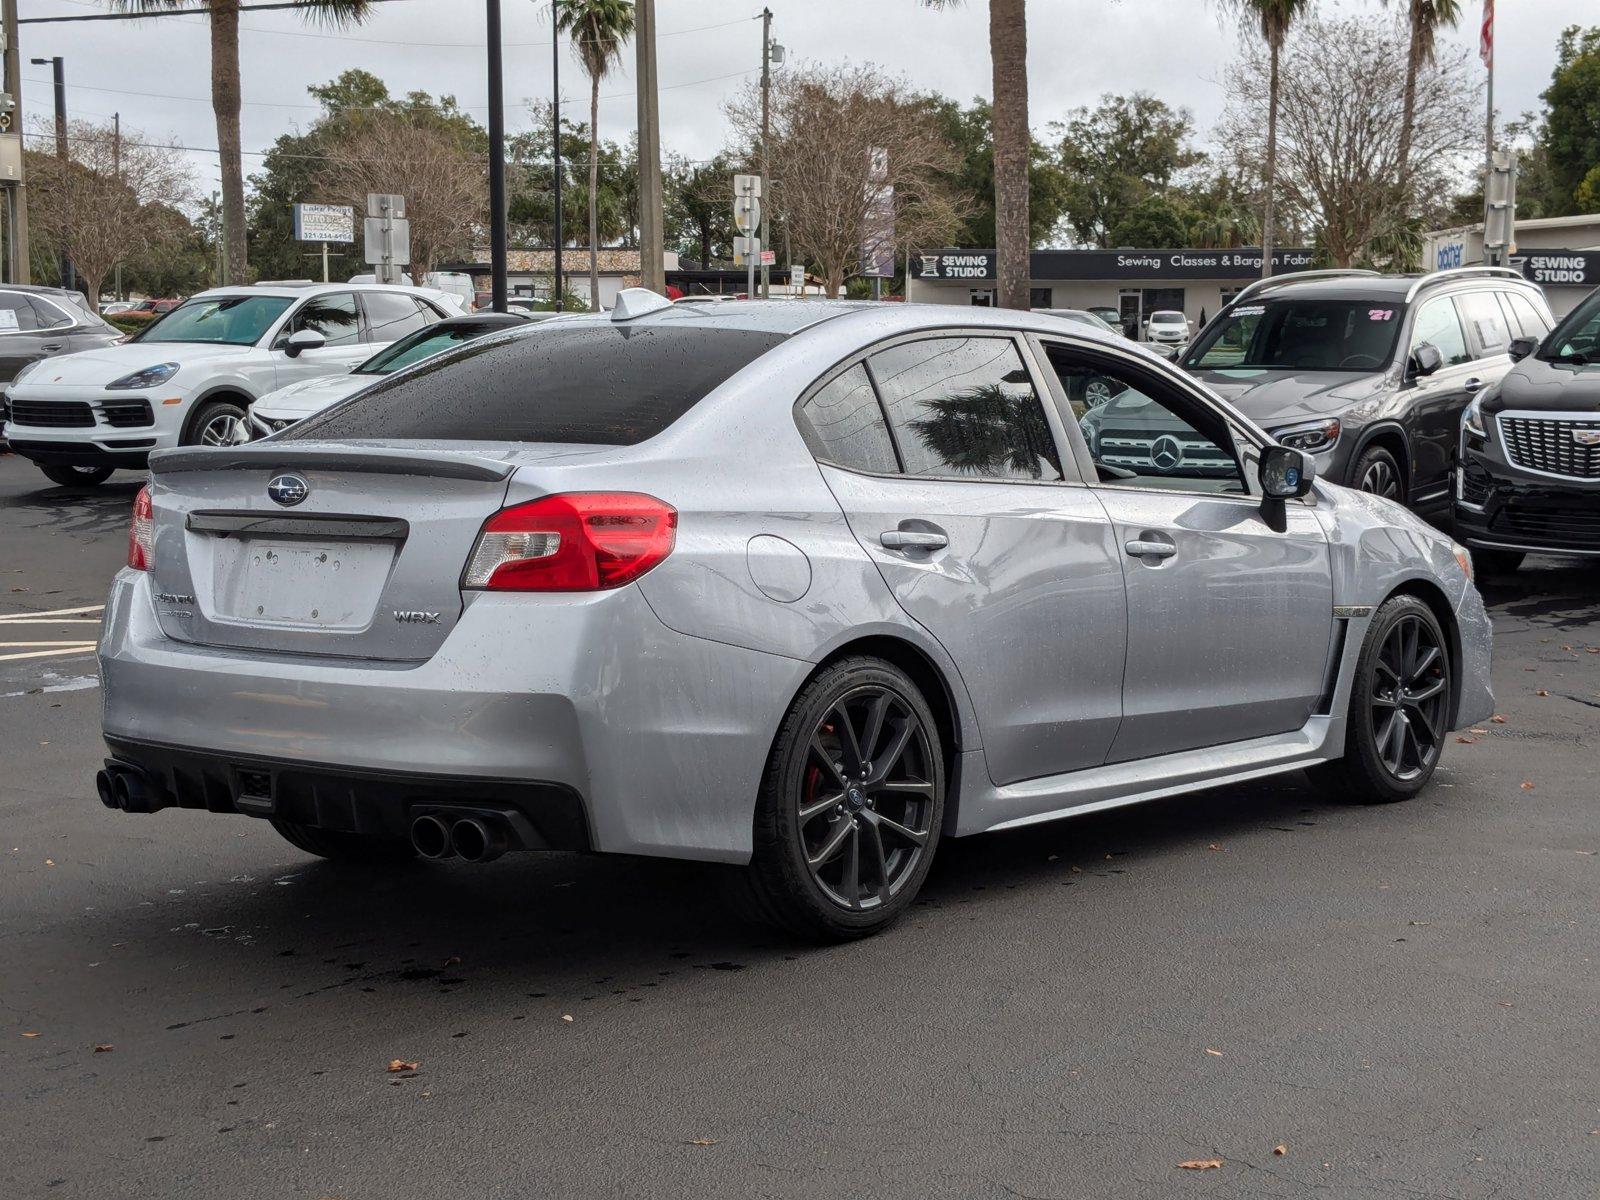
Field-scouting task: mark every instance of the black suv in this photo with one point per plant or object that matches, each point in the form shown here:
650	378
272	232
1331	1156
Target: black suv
1529	473
1369	372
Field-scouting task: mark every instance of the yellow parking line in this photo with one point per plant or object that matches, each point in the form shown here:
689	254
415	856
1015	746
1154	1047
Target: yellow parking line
84	648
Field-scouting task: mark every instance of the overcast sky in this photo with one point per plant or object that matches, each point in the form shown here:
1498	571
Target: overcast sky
156	73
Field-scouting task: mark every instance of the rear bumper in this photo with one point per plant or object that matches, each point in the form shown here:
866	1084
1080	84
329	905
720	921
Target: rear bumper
663	737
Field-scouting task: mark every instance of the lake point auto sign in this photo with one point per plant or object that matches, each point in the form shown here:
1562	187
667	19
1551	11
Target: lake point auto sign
324	223
1242	263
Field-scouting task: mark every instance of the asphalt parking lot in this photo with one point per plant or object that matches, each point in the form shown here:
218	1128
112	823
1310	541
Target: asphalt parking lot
1325	1000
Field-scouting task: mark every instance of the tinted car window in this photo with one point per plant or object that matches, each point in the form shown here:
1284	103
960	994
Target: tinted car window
17	313
1530	318
48	315
596	383
1487	322
1305	335
422	344
391	317
965	406
334	317
1578	335
846	424
1438	326
230	320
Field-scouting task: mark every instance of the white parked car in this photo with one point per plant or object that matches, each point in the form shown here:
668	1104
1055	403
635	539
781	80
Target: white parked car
1166	327
278	410
191	377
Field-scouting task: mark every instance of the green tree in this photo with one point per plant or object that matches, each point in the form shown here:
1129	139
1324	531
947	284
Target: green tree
1275	18
699	218
1114	155
969	130
1424	18
225	99
1571	135
1154	221
598	29
531	191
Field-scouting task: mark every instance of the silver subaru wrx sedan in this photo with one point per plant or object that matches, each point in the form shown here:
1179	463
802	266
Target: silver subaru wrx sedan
803	587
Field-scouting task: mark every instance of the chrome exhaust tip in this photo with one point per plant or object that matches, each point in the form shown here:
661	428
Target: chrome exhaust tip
106	786
479	839
430	837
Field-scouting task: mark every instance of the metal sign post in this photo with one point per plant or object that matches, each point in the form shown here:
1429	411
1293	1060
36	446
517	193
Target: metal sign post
324	223
387	235
747	220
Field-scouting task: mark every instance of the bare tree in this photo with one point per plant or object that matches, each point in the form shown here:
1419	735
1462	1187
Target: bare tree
109	201
1342	117
429	162
848	144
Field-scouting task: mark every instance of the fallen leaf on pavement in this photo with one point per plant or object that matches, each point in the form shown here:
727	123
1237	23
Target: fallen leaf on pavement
49	862
1214	846
103	1048
30	1033
1497	719
453	961
1466	741
1200	1164
1218	1053
702	1141
1527	785
1280	1150
1479	732
567	1017
400	1064
1542	692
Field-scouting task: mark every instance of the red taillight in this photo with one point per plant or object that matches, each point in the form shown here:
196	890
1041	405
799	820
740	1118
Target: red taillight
142	533
574	542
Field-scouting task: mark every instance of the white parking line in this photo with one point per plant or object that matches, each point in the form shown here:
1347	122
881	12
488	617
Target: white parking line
28	618
80	648
56	648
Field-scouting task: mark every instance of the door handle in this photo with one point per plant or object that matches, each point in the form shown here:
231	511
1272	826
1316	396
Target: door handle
1150	547
52	347
1472	385
913	539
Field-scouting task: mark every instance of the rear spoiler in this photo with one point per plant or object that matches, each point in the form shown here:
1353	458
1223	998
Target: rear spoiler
371	460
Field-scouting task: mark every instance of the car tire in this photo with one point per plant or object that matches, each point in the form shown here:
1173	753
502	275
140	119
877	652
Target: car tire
1497	562
1377	473
218	423
1404	675
838	854
339	846
66	476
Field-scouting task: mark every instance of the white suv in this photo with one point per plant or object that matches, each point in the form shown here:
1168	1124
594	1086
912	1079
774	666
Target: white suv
190	378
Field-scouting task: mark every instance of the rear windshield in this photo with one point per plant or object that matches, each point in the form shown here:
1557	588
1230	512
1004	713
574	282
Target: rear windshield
1304	335
420	345
595	383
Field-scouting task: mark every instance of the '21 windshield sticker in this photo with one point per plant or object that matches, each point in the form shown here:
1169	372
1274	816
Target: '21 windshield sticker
1380	314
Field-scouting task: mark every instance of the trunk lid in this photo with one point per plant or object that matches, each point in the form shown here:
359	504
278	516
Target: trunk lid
366	563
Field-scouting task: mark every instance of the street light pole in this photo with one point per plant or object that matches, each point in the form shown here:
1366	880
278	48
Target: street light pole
59	74
555	138
116	168
497	162
16	260
652	264
766	129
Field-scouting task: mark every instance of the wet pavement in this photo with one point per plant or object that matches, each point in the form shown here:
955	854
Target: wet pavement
1403	999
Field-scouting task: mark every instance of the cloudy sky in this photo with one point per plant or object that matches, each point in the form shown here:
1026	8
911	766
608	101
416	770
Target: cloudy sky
156	72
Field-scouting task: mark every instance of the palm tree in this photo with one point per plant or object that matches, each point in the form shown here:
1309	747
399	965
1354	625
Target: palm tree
1425	18
225	98
598	29
1275	17
1013	145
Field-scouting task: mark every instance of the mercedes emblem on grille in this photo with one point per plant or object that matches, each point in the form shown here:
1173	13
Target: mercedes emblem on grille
288	490
1166	453
1586	437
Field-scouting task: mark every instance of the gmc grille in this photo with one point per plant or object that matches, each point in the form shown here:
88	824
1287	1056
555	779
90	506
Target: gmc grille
55	414
1549	444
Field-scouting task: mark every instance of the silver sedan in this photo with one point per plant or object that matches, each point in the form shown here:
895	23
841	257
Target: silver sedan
801	587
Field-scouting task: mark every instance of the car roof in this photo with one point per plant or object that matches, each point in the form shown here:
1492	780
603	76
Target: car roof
295	291
493	320
1394	288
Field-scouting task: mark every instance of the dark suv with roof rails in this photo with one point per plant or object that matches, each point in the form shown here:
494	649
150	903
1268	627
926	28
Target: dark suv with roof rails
1370	372
1528	478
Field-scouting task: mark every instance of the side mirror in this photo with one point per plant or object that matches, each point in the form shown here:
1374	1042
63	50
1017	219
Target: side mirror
1426	359
1521	347
1285	473
302	340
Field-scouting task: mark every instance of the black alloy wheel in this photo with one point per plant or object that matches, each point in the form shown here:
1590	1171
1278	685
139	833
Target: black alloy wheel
866	802
851	805
1379	474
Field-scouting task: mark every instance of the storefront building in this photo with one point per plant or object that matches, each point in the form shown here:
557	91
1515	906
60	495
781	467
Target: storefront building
1133	282
1560	254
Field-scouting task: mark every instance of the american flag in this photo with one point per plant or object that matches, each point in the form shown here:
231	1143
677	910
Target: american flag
1486	34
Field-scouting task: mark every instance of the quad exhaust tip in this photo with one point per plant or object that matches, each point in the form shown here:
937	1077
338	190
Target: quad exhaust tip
126	789
474	839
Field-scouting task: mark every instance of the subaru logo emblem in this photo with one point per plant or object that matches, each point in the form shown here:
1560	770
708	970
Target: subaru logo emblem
288	490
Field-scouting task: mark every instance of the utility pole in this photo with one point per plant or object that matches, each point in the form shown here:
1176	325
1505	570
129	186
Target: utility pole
16	262
766	131
58	71
116	170
555	138
497	162
1488	160
652	264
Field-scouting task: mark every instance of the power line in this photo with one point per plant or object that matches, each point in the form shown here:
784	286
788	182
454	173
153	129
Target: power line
145	16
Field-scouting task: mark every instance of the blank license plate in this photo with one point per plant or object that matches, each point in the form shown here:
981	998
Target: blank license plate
336	586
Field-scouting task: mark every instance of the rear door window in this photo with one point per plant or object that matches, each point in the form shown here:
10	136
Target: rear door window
595	383
17	314
391	316
965	407
844	424
333	316
1529	317
1486	320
